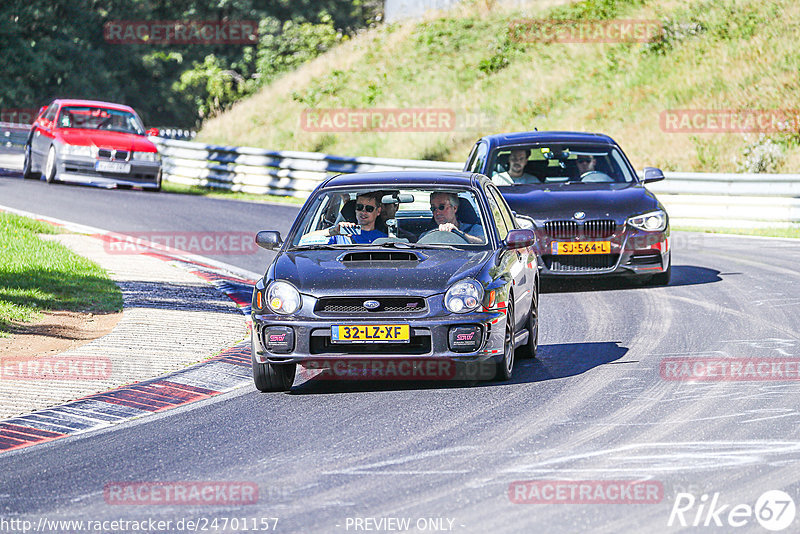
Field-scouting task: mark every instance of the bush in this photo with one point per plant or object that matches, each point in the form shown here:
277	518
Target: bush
761	155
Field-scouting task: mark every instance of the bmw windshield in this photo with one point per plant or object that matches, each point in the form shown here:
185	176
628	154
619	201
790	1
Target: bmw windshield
546	164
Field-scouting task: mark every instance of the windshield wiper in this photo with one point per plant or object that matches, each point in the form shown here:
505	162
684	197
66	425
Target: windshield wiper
396	244
321	246
435	245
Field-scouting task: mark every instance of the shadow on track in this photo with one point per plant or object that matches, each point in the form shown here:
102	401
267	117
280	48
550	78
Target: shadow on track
553	362
682	275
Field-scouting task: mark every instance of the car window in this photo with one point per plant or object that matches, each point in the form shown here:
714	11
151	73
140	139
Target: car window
505	211
413	215
551	164
98	118
497	215
50	114
478	157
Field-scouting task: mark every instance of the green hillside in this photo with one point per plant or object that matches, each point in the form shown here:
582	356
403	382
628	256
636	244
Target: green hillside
711	55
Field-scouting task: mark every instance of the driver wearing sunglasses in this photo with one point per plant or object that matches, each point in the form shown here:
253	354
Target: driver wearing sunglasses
444	207
368	209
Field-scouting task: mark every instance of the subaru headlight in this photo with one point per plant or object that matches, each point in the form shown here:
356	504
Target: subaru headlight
78	150
464	296
283	298
654	221
147	156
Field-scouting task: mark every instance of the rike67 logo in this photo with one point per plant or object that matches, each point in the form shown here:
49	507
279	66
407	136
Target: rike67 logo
774	510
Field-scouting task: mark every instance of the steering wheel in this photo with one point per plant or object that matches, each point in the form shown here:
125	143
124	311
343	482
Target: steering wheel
595	177
455	237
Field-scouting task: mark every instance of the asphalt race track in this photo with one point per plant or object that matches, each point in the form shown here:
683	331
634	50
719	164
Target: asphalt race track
607	402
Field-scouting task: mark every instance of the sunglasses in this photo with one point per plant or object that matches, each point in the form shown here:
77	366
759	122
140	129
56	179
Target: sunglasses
440	207
584	160
365	207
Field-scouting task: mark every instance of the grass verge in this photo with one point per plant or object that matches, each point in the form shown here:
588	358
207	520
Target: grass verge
793	232
38	275
169	187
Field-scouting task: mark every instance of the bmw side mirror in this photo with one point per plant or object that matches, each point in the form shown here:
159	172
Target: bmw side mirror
653	174
520	238
269	239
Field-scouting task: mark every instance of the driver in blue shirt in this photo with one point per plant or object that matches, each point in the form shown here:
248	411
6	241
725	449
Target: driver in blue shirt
368	209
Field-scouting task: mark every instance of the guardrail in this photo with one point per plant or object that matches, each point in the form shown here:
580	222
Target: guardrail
13	135
255	170
697	199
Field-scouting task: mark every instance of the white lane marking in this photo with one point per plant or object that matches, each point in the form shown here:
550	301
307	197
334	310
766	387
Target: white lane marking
372	468
666	457
770	417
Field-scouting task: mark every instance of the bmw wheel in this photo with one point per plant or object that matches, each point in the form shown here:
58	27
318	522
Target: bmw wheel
27	172
51	166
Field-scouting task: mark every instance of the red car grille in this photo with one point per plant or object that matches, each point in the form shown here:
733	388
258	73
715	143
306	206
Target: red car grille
112	155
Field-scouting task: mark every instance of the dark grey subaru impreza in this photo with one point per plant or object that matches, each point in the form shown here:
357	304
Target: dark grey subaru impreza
397	275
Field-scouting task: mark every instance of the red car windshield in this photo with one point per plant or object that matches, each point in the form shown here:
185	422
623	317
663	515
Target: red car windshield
95	118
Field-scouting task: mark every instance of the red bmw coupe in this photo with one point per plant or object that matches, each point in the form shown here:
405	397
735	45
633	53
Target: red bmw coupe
91	142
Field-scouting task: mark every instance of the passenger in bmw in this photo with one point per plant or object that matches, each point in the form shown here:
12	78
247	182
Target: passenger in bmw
368	208
516	174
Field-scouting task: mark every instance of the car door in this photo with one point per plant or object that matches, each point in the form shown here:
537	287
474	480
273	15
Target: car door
514	261
43	135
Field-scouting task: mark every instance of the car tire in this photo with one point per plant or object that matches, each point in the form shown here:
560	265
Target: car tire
157	188
51	166
662	279
529	349
505	366
273	377
27	166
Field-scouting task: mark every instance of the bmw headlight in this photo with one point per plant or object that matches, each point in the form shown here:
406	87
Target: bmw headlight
654	221
78	150
283	297
464	296
147	156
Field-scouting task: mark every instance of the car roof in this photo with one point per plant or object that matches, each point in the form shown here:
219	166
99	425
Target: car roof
389	179
521	138
98	103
